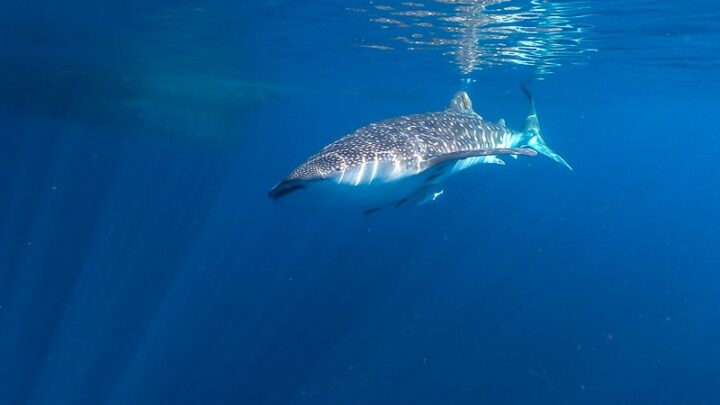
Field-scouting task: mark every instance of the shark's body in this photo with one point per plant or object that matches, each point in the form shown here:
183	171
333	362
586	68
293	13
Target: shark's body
403	160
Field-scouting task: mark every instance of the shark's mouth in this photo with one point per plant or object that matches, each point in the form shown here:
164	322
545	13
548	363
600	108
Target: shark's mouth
284	188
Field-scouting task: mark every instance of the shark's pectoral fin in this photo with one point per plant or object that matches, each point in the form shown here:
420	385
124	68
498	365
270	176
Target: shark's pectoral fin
455	156
495	160
430	196
422	196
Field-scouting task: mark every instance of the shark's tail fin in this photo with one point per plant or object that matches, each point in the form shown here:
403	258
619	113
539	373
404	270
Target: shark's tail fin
530	136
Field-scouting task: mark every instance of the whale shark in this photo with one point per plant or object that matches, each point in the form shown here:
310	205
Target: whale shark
403	161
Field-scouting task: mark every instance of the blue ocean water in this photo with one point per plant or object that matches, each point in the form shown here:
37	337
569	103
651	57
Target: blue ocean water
141	261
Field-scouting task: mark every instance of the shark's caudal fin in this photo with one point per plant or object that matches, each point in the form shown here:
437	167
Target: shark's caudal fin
530	136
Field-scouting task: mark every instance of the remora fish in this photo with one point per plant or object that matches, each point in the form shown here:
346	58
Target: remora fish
402	161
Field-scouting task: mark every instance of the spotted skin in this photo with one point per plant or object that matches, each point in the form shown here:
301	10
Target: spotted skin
401	145
401	160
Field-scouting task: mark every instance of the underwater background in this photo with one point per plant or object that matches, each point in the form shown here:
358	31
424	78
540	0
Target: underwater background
141	261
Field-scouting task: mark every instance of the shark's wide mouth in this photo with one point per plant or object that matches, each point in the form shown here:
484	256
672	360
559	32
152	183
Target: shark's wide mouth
284	188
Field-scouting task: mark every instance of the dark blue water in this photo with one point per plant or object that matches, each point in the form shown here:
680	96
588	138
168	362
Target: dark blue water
141	261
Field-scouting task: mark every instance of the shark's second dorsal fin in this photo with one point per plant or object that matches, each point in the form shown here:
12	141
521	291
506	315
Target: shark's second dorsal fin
461	103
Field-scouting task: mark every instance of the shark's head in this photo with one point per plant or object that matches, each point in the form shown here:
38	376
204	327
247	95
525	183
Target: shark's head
348	173
338	181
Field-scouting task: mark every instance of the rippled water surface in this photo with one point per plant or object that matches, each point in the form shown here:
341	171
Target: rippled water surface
623	36
476	34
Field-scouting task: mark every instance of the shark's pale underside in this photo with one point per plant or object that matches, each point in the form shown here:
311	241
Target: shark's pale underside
403	161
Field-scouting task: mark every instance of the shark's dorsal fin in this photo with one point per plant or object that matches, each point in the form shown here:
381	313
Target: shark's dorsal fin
461	103
501	122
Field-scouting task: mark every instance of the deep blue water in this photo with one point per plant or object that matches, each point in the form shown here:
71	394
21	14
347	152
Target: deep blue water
141	261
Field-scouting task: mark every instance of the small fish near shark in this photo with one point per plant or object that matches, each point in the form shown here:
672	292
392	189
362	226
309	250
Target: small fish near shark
403	161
